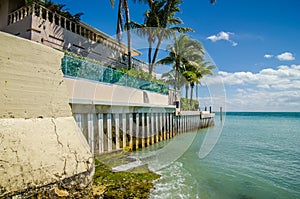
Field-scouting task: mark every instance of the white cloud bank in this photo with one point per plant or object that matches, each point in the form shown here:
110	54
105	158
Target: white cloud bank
268	90
286	56
222	36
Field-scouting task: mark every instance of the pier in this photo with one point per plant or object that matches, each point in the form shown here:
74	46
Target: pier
136	128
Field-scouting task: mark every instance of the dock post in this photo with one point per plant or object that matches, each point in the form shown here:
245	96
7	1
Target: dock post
148	129
101	133
124	130
156	126
130	130
152	128
143	130
160	127
91	131
117	129
170	125
109	132
221	112
137	130
165	125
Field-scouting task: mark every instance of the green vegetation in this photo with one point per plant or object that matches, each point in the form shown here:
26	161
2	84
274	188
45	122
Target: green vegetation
159	24
189	65
134	184
189	105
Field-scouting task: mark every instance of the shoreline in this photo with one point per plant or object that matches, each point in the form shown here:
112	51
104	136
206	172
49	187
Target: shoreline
136	182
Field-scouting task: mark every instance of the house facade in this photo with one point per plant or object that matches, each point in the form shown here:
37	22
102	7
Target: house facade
37	23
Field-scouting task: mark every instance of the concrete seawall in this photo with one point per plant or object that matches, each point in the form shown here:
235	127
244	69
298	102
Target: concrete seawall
41	147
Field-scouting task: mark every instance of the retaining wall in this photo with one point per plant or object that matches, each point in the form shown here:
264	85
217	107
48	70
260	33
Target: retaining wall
42	150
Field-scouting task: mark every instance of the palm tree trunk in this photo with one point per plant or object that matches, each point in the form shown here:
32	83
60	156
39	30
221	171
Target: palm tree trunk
196	91
192	89
119	22
128	32
164	26
186	91
149	58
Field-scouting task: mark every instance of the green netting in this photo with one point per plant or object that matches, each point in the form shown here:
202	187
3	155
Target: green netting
78	68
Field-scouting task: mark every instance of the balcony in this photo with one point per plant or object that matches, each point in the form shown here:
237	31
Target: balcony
37	23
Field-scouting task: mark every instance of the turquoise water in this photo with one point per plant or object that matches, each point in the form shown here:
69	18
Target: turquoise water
256	157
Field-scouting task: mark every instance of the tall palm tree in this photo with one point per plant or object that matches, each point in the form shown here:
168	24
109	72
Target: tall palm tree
123	6
195	71
183	54
152	27
170	9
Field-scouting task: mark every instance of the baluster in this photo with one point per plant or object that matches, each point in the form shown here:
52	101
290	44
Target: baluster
22	12
59	20
53	17
40	12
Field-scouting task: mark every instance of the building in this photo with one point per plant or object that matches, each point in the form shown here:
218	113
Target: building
35	22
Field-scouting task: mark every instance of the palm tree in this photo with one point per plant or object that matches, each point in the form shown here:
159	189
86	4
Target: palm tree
183	54
123	5
195	71
170	9
151	28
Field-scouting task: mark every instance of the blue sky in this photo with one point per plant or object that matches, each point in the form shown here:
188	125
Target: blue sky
255	45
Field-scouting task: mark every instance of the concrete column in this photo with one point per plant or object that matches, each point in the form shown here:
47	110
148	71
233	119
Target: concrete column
101	133
164	126
168	125
160	127
156	126
78	119
124	129
148	128
137	130
143	130
152	128
91	131
109	133
171	125
130	130
117	129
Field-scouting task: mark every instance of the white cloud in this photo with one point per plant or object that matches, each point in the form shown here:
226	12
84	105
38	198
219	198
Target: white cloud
268	56
264	100
287	56
222	36
267	90
281	78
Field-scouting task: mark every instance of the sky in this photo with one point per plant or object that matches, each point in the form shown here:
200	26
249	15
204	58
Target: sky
255	45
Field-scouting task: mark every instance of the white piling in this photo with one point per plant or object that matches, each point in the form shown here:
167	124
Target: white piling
101	133
117	130
124	129
109	132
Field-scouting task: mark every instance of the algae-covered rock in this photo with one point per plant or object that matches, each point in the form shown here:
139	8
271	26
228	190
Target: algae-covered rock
108	184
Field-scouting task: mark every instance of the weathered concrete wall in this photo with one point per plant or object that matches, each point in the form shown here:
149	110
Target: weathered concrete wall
89	92
40	143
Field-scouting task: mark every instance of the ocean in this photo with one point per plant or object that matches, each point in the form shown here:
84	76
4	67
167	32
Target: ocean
257	156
